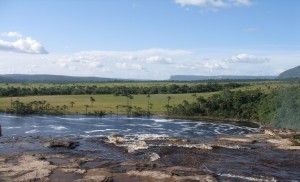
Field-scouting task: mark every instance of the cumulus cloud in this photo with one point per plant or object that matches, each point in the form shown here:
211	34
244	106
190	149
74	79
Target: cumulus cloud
23	45
12	34
246	58
82	57
159	59
214	3
129	58
215	65
95	64
129	66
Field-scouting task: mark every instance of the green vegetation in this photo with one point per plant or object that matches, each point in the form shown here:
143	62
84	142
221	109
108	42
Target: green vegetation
275	103
279	108
83	89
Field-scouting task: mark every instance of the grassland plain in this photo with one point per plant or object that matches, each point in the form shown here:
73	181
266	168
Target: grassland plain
109	102
105	102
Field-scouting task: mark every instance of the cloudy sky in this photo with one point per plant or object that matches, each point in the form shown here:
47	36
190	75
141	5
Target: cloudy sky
149	39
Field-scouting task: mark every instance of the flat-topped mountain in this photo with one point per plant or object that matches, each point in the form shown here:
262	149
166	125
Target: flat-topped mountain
290	73
43	78
220	77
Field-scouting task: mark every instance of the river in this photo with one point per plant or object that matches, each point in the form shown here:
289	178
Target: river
178	142
89	126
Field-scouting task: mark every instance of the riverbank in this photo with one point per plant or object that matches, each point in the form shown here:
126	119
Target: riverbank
264	156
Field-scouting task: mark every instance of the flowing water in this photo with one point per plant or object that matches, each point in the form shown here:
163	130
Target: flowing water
87	126
176	141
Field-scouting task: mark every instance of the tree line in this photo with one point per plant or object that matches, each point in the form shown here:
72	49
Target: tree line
280	108
116	90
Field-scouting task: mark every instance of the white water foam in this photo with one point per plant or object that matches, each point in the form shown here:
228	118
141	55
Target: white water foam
16	127
198	146
58	127
259	179
32	131
163	120
152	137
94	131
136	145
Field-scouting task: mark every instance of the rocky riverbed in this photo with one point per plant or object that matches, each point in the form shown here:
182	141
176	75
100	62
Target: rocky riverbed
266	156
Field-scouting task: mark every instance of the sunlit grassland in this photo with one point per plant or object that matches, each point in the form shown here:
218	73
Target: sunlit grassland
109	102
105	102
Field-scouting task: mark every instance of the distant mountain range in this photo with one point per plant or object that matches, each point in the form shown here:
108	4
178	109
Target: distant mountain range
43	78
221	77
291	73
24	78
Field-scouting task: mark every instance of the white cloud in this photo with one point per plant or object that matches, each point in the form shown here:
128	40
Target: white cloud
241	2
95	64
129	58
12	34
214	3
246	58
23	45
82	57
215	65
159	59
129	66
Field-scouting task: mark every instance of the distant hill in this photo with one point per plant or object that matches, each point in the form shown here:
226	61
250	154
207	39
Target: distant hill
291	73
221	77
23	78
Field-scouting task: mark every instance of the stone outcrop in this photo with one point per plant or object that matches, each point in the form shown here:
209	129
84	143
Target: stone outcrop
61	143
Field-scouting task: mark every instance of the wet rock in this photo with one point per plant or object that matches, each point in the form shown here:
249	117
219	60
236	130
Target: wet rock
285	144
145	166
116	139
26	168
154	156
136	145
159	175
282	132
60	143
102	175
240	140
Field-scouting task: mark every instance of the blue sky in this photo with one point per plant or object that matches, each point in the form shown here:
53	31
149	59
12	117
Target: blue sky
149	39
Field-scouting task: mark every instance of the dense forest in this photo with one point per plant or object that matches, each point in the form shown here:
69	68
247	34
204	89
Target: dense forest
280	108
116	90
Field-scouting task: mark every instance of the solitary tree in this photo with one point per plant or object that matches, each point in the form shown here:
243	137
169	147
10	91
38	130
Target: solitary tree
86	107
169	98
92	100
194	96
168	105
72	103
129	98
149	104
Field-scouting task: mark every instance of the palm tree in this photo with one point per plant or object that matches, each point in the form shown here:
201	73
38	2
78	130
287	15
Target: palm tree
168	105
169	98
148	96
129	98
92	100
194	96
72	103
86	106
117	109
65	107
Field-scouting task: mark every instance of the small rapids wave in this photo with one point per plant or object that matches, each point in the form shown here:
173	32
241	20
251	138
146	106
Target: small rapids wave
249	178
